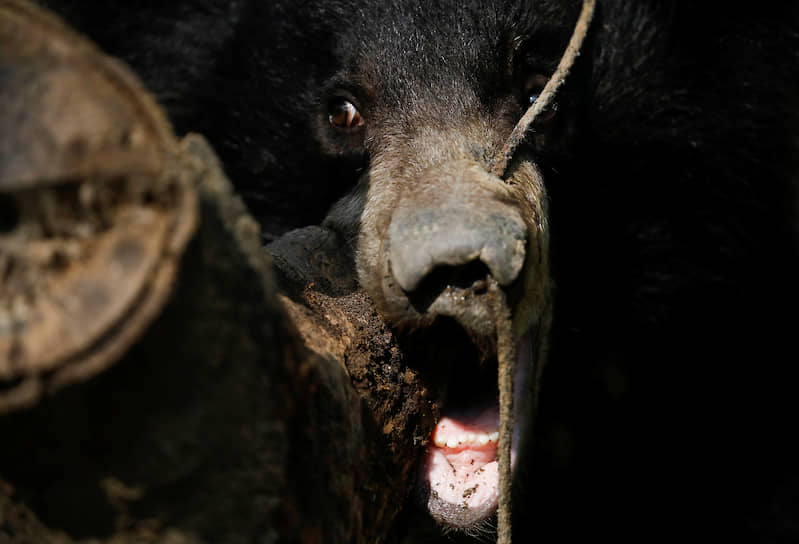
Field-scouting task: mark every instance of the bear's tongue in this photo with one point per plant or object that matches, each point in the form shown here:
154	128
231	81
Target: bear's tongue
461	468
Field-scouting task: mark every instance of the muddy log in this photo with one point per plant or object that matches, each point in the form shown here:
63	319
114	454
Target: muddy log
162	377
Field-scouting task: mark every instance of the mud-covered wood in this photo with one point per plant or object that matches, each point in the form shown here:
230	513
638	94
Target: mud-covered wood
230	412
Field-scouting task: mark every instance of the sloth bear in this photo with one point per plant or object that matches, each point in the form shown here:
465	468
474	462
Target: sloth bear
648	217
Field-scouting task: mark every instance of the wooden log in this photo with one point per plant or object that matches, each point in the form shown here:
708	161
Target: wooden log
204	406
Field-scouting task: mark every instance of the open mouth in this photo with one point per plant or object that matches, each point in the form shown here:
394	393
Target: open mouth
459	476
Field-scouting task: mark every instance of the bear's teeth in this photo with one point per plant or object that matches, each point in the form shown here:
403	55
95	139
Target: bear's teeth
481	439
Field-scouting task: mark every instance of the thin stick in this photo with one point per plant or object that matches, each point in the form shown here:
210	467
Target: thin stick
506	346
506	359
546	97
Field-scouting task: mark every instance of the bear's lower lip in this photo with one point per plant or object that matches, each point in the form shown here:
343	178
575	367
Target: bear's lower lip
461	469
460	475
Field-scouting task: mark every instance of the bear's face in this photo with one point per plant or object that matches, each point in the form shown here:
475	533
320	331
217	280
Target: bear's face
428	97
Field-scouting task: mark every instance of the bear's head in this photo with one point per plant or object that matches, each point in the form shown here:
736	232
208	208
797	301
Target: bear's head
428	98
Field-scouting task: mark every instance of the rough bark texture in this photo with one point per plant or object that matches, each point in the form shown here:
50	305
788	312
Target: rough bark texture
229	413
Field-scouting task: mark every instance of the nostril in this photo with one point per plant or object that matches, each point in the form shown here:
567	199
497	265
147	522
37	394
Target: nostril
463	276
471	276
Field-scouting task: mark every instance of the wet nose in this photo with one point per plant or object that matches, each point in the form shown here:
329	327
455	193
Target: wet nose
455	246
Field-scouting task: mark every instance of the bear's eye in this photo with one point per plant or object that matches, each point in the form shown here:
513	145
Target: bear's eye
533	86
343	115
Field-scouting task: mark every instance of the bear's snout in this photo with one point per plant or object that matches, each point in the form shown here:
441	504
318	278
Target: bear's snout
448	235
459	245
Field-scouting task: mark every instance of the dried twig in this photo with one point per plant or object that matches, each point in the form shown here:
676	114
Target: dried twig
506	345
544	100
506	357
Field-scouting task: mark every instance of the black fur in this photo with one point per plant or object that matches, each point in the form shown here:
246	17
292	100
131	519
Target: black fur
669	396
